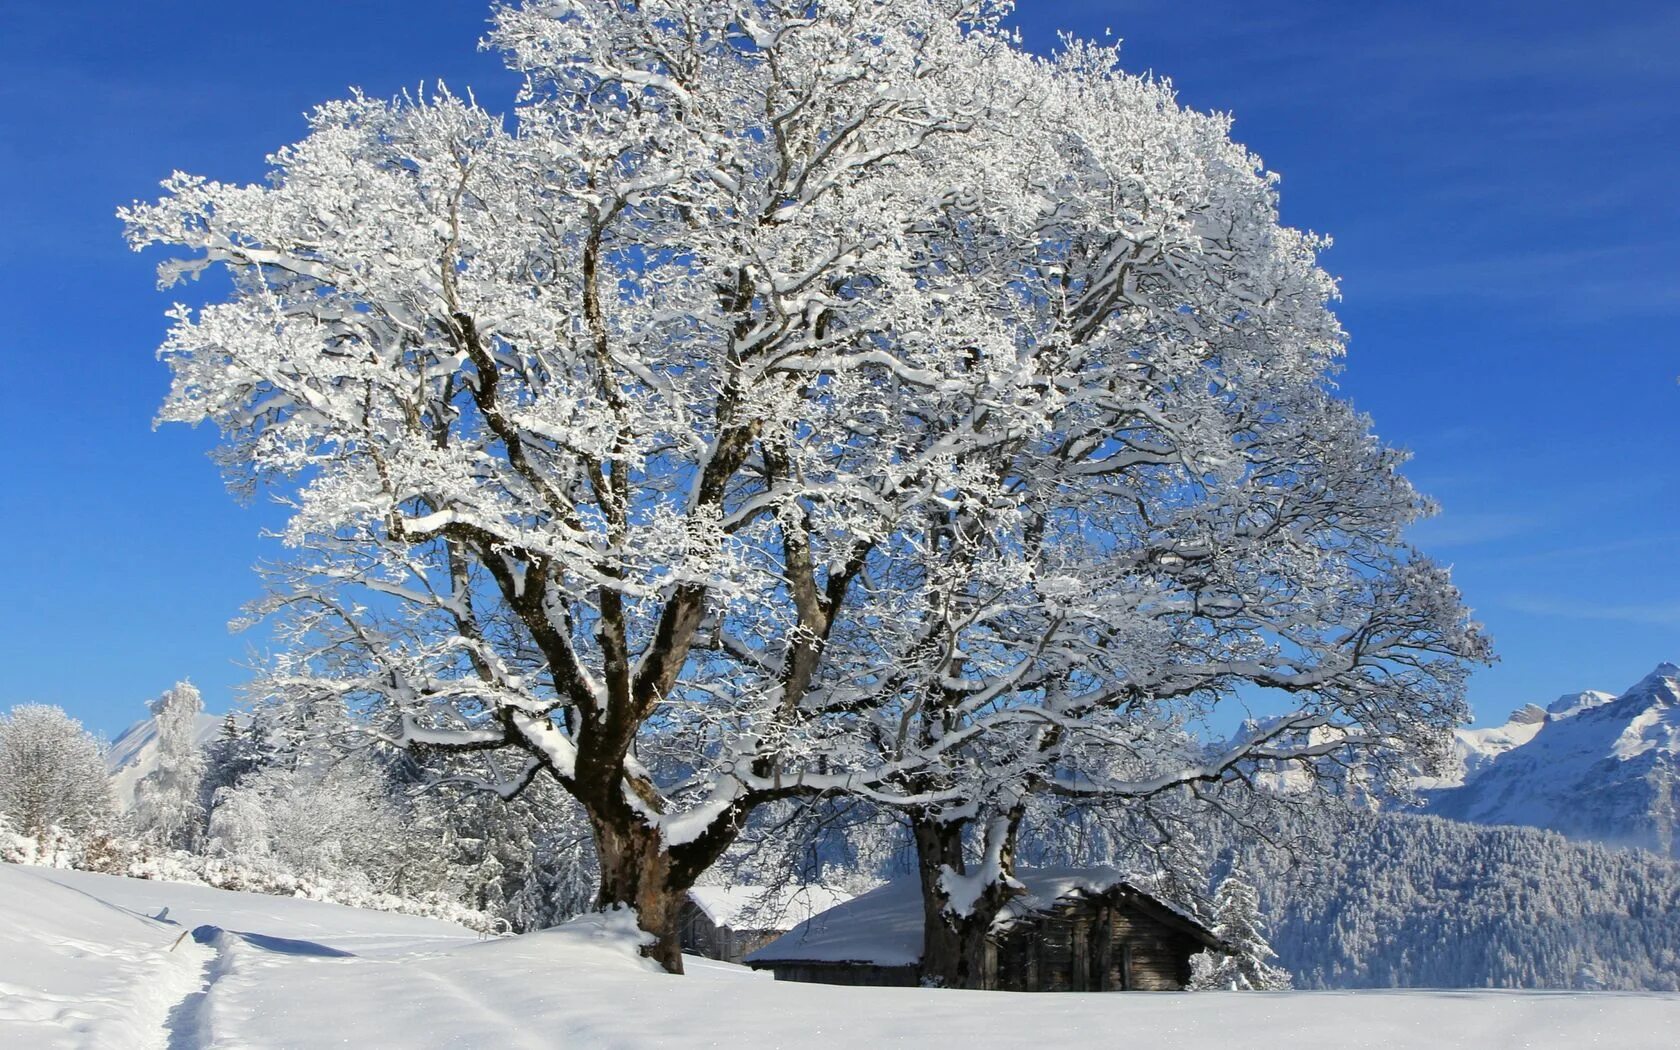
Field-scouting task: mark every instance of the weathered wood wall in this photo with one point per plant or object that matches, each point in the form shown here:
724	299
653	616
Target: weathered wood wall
1093	945
1113	942
861	974
705	938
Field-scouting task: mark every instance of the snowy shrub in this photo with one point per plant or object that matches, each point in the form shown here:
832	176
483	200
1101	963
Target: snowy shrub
107	853
52	775
14	847
337	822
272	877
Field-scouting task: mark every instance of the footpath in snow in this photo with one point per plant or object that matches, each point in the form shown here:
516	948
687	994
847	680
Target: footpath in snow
82	965
77	971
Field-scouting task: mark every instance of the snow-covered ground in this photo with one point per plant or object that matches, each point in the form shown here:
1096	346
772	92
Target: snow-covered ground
81	965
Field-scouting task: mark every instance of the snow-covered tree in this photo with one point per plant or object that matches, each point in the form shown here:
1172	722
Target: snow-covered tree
529	861
1211	524
169	801
803	400
52	774
339	819
1587	979
1250	964
239	749
1207	523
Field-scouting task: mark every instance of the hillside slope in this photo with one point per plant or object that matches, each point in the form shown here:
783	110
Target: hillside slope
1416	901
133	755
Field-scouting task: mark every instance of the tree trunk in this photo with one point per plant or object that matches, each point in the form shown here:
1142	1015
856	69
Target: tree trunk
636	872
954	947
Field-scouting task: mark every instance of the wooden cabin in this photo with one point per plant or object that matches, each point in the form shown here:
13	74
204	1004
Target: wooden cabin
1073	930
727	922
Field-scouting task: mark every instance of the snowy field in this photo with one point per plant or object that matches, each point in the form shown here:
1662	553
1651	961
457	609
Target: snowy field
84	962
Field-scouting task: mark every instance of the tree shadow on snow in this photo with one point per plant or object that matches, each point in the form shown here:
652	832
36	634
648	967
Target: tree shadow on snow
288	946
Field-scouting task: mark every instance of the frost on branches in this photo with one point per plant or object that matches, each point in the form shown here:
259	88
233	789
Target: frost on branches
168	802
799	400
52	775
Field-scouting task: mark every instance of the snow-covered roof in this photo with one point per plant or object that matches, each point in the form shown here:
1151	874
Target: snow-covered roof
884	926
764	907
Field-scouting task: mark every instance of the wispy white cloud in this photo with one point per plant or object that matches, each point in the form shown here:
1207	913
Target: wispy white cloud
1659	614
1631	278
1585	553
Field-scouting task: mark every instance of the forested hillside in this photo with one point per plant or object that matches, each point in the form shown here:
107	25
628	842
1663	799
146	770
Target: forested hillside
1412	901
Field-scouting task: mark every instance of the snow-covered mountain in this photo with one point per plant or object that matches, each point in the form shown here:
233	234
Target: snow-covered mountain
1591	766
133	754
1475	748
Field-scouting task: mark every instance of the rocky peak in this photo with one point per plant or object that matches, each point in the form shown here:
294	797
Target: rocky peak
1527	714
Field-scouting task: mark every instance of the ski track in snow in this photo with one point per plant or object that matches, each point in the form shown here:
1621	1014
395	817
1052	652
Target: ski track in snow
185	1026
77	971
522	1036
82	966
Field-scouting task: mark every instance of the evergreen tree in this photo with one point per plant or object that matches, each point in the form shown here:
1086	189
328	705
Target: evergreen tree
1587	979
238	751
1248	966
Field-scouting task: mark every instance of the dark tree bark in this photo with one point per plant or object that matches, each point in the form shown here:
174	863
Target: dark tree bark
637	872
955	947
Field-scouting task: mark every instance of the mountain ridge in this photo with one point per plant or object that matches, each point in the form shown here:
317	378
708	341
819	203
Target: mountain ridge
1597	767
133	754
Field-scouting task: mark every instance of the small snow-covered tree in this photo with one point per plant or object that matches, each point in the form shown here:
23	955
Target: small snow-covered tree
801	400
238	750
1587	979
1250	964
168	802
52	774
239	827
528	861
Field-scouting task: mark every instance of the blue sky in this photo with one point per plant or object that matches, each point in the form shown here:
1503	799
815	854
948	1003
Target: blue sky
1500	179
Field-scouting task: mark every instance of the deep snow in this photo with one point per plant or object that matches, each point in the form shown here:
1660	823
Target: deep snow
80	966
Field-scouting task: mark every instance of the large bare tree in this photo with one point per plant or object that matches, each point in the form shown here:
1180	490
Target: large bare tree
795	399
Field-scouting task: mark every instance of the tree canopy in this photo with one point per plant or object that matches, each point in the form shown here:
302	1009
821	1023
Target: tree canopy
793	399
